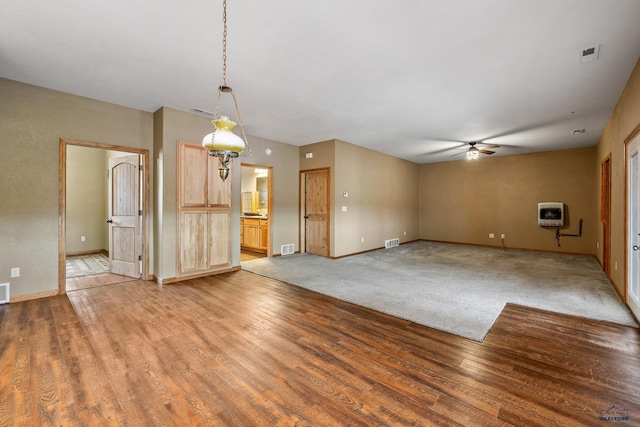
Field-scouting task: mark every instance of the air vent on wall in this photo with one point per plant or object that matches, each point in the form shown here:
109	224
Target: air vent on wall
287	249
4	293
391	243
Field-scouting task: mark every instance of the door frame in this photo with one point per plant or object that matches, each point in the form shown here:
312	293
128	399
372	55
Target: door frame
302	244
627	142
269	202
62	204
605	213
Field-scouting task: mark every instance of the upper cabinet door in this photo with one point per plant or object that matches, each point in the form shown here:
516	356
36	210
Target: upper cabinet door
193	172
219	193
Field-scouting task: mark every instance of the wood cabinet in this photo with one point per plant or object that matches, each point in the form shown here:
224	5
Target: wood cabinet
204	211
264	234
254	234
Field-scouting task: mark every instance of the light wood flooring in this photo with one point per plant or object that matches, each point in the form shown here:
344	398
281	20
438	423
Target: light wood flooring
239	349
246	255
95	280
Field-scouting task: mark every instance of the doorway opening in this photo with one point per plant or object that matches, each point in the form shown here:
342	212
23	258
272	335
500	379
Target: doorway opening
256	190
86	224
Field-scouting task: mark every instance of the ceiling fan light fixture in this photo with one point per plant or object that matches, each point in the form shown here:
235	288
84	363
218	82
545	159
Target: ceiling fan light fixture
473	152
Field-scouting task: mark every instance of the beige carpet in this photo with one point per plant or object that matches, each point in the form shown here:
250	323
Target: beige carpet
86	265
460	289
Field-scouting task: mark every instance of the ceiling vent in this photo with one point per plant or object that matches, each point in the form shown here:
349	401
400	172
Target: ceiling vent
201	111
578	131
589	54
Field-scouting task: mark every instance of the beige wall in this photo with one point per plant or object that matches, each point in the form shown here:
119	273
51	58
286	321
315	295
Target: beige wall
382	200
622	124
32	121
284	213
86	200
464	201
172	126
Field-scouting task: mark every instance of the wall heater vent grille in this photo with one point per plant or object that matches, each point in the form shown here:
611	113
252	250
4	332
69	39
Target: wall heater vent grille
287	249
392	243
4	293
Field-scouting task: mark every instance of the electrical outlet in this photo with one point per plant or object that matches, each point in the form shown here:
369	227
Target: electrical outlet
362	239
491	235
15	272
503	236
83	238
405	233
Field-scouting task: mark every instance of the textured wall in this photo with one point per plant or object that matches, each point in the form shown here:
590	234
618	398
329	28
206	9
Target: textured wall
464	201
32	121
382	200
622	124
86	199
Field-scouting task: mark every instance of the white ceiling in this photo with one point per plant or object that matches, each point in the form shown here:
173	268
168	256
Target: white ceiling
413	78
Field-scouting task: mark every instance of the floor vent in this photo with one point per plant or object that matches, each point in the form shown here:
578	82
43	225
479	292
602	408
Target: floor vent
287	249
392	243
4	293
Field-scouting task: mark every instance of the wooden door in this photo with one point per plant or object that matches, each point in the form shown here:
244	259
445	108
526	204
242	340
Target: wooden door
193	166
125	242
194	235
219	237
219	191
316	212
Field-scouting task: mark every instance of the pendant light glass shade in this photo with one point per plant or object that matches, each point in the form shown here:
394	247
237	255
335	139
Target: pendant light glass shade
222	140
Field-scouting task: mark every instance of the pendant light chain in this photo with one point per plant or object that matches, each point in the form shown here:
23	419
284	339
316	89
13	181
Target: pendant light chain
224	42
224	87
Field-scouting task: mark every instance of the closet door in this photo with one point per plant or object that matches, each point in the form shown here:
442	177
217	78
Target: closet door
204	205
194	237
219	192
219	238
193	175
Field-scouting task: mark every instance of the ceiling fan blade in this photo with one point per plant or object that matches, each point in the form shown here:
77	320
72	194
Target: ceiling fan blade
490	145
457	154
486	151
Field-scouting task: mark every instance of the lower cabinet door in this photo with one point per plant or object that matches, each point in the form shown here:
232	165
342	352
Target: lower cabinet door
193	254
219	239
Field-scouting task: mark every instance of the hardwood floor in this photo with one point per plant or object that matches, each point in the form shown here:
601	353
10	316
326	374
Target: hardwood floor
241	349
86	282
246	255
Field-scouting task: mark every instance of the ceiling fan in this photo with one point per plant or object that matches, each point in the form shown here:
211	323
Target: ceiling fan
473	152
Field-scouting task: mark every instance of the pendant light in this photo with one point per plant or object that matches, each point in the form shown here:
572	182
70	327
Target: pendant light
222	142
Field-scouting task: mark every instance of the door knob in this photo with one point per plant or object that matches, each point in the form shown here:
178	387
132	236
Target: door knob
109	220
636	247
